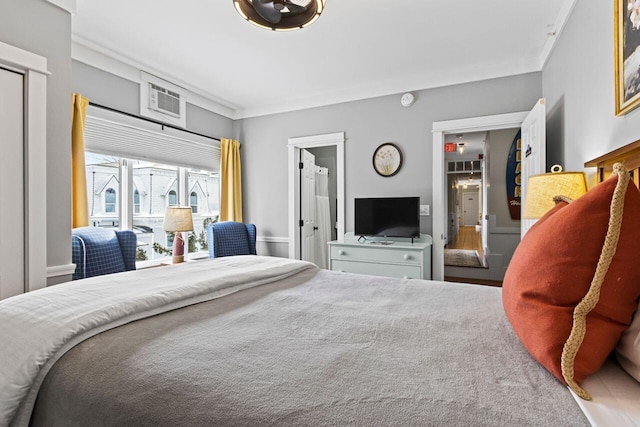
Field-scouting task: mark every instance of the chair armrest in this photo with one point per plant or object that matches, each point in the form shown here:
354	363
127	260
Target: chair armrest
128	246
251	231
78	257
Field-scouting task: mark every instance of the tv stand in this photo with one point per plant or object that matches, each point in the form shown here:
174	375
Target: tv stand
397	257
381	242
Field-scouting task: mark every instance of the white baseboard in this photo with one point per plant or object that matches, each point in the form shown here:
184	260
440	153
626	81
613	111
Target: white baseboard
272	239
60	270
504	230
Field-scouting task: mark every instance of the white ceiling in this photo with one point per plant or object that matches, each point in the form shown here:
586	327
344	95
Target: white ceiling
357	49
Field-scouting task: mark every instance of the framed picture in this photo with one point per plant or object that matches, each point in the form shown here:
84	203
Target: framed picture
387	159
627	55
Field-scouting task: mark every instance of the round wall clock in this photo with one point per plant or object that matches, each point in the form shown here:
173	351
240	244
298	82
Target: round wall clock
387	159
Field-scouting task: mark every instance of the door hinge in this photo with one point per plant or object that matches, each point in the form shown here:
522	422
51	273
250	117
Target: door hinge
301	223
300	165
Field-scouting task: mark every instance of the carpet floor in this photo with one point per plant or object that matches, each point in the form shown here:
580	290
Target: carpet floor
462	258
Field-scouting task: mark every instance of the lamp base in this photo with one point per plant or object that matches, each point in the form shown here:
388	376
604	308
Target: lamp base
178	248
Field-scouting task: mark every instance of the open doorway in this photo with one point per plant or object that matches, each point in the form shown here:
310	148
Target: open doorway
533	143
466	194
483	226
440	227
315	160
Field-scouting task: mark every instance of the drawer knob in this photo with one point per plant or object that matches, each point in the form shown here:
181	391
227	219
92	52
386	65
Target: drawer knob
341	252
407	256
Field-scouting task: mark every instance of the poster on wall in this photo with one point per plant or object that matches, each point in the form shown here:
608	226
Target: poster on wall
514	178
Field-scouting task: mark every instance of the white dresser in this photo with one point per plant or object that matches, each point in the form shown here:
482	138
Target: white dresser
401	258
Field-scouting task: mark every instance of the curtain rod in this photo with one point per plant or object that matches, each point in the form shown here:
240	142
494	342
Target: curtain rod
93	104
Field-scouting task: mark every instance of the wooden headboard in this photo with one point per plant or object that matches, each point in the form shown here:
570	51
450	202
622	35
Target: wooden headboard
629	155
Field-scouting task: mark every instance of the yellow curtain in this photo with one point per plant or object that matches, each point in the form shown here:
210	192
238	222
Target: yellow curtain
231	181
80	207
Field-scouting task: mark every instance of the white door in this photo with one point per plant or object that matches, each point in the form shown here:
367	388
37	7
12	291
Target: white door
534	152
307	205
12	276
470	209
484	220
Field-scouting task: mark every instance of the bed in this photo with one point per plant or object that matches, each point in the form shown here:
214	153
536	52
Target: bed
255	340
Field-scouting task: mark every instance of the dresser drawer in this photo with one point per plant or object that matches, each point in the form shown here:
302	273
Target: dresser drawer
386	270
377	253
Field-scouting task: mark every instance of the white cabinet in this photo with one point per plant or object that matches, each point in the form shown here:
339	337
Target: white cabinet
400	258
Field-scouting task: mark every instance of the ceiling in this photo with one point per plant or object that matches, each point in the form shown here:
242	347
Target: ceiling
357	49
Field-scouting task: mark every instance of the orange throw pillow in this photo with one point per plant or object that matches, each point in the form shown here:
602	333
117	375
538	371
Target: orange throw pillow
552	270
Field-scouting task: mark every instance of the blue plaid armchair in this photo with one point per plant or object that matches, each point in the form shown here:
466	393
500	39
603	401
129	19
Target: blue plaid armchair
231	238
96	251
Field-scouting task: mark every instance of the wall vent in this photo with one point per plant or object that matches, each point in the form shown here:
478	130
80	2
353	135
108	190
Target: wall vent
164	100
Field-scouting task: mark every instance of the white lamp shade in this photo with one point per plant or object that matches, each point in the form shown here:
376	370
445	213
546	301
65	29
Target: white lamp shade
178	219
541	189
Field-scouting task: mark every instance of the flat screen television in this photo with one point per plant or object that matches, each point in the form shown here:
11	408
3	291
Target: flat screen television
387	216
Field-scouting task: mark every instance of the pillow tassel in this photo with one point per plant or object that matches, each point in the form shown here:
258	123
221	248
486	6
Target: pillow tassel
579	327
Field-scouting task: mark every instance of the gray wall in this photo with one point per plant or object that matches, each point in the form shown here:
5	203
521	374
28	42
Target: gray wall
44	29
578	83
367	124
112	91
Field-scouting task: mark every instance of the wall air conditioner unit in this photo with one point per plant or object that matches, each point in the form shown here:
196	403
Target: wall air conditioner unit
164	100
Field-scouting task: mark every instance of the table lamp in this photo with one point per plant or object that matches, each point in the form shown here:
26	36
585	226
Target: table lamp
542	188
178	219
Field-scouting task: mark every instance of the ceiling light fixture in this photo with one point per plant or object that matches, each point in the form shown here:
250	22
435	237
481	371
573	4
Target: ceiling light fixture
280	15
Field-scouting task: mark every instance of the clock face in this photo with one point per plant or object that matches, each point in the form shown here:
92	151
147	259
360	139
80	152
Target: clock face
407	99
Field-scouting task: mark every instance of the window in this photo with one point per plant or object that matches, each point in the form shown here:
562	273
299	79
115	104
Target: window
136	201
163	168
193	202
110	200
173	198
151	181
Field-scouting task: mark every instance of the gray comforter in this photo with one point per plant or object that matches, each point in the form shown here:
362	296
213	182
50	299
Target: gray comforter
318	348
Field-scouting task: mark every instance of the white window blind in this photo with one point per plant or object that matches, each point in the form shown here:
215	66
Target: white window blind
109	132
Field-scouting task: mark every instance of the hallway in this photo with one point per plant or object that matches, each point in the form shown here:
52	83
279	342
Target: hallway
467	238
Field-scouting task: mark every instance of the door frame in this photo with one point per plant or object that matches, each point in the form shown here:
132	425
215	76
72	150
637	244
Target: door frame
293	148
34	69
439	130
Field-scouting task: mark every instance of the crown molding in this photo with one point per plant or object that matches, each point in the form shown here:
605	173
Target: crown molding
68	5
556	30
